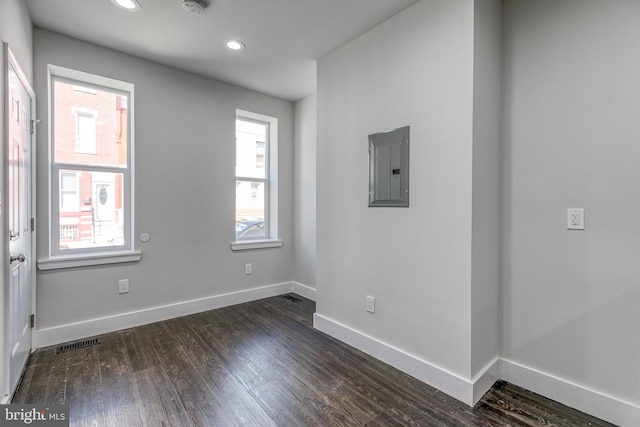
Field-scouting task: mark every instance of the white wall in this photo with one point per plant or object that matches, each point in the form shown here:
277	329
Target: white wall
415	69
185	195
305	128
487	203
572	298
17	31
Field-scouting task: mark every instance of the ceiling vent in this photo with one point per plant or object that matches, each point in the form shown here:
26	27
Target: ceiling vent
195	7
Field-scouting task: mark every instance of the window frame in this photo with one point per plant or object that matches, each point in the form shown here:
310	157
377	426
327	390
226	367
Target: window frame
65	258
270	183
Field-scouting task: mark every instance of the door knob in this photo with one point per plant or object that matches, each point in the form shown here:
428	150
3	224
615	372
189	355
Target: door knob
21	258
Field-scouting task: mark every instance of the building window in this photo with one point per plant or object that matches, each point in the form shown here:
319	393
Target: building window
91	170
85	133
69	198
255	190
256	143
260	153
68	232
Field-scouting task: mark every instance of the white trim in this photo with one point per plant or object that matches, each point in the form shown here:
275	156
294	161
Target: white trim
89	79
485	379
91	327
468	392
255	244
596	403
9	60
599	404
303	290
55	263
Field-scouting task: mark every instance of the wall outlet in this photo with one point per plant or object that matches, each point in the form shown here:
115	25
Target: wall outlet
575	219
123	286
371	304
248	269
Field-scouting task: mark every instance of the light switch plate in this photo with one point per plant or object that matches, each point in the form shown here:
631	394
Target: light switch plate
575	219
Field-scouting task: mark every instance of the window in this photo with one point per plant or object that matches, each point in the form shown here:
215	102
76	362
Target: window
69	200
91	170
260	152
68	232
256	175
85	133
255	189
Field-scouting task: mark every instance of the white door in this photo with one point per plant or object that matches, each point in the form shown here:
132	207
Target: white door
19	143
104	207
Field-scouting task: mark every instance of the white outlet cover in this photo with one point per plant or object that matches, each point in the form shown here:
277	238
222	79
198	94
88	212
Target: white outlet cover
575	219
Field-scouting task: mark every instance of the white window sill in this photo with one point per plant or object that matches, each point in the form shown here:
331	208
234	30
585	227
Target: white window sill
244	245
59	262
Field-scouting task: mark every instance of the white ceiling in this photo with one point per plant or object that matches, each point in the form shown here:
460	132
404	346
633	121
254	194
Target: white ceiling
283	37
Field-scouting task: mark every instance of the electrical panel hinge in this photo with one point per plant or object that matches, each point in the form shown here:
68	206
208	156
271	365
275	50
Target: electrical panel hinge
33	224
33	126
32	320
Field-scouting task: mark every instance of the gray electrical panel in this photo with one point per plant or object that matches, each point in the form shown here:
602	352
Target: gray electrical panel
389	168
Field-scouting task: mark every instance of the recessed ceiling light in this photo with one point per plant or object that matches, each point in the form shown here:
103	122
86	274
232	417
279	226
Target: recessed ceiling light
236	45
130	5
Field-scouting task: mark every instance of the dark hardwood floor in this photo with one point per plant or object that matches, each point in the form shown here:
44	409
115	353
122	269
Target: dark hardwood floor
257	364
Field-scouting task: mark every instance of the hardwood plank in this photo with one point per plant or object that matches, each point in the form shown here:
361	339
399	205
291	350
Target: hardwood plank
380	382
194	393
231	399
267	361
325	380
49	375
84	388
288	403
385	420
139	348
25	382
532	409
118	390
237	342
160	404
322	378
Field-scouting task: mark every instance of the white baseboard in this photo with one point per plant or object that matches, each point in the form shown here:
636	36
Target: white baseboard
593	402
598	404
485	379
466	391
304	290
88	328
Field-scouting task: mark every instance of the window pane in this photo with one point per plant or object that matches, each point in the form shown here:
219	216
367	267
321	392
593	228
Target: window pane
86	133
250	209
69	200
90	126
251	141
91	211
68	181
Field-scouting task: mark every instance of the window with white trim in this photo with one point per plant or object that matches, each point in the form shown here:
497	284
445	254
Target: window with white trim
85	132
256	177
91	177
69	199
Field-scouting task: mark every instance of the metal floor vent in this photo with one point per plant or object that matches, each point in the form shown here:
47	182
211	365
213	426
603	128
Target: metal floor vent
77	344
290	298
